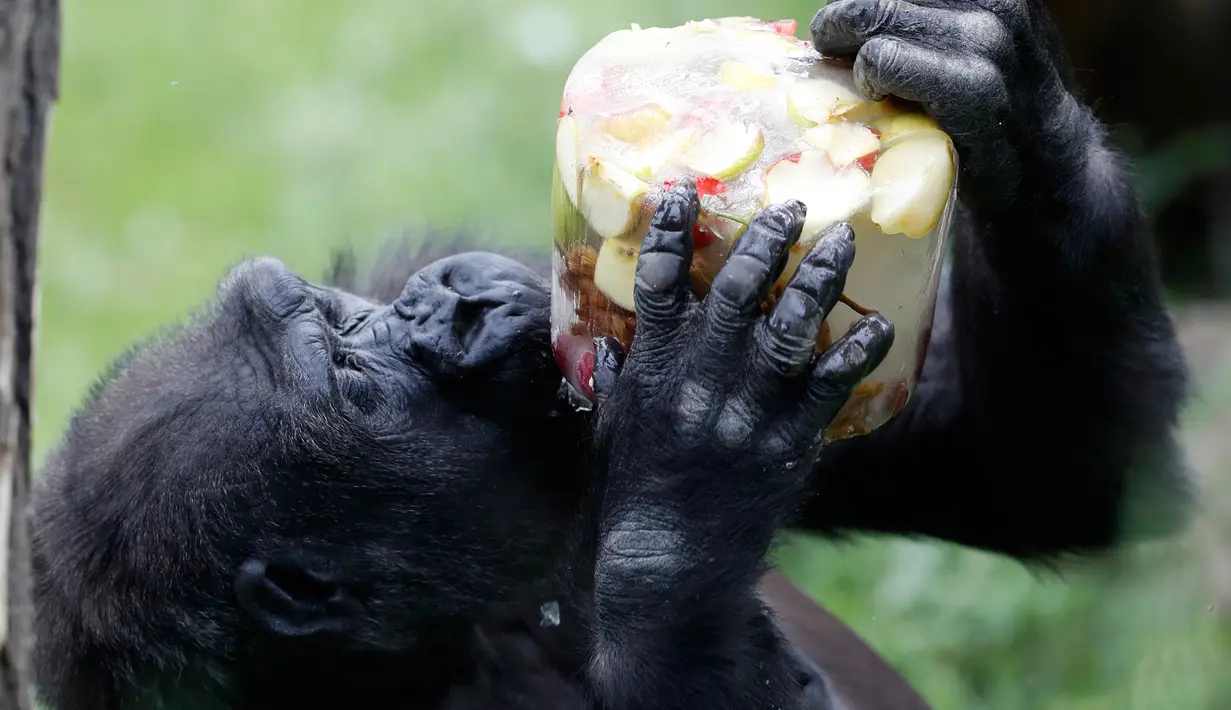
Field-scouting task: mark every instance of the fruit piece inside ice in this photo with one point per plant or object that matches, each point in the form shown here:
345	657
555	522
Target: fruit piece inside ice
566	155
869	111
611	198
896	127
649	160
638	125
635	43
764	42
830	196
817	99
575	358
725	151
746	78
785	27
843	143
615	271
911	184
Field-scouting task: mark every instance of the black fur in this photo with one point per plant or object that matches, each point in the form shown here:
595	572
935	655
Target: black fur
360	495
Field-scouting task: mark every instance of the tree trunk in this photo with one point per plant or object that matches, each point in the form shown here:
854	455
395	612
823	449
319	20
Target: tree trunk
29	70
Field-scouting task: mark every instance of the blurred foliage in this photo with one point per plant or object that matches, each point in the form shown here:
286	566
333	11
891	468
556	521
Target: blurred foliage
190	135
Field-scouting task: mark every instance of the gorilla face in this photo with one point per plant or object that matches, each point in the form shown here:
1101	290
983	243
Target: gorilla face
301	462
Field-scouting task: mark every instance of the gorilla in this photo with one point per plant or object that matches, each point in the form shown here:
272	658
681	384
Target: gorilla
372	493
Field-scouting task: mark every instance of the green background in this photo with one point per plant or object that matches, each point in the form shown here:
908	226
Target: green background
190	135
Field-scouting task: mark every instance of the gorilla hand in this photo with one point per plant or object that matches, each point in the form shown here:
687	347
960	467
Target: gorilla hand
705	438
986	70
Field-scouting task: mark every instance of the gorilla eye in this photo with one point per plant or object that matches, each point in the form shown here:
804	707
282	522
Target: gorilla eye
348	359
353	322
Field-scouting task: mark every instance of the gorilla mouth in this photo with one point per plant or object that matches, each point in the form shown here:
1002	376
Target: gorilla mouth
479	315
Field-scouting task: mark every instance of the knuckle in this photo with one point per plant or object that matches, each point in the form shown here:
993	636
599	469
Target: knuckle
695	402
1015	13
659	272
832	258
736	423
739	282
820	277
793	308
781	443
990	35
880	66
787	353
871	16
827	389
642	544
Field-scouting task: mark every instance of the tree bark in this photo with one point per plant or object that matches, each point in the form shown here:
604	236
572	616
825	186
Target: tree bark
29	73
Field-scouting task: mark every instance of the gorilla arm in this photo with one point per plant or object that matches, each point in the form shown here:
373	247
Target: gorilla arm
1054	378
701	447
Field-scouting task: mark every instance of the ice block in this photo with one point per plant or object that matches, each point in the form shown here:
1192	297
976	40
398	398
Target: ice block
755	116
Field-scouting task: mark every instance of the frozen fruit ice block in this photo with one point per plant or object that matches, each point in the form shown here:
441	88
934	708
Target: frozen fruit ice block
754	116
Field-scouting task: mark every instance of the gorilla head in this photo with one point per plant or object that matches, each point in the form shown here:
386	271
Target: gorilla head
303	475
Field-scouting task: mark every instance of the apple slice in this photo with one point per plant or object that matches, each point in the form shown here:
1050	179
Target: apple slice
611	198
648	161
911	184
830	196
725	151
567	138
744	77
868	111
615	271
843	143
818	99
637	125
896	127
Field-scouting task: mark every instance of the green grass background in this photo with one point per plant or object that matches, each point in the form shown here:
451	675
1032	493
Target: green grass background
191	134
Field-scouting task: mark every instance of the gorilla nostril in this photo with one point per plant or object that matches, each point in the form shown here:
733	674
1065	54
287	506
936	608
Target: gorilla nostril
467	320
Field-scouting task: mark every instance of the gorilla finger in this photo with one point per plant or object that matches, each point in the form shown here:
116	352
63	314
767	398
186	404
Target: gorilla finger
847	362
608	361
753	265
841	28
787	339
940	81
737	292
1016	14
661	293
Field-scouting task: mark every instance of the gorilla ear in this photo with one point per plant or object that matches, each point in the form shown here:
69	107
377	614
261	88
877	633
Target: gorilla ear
296	595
